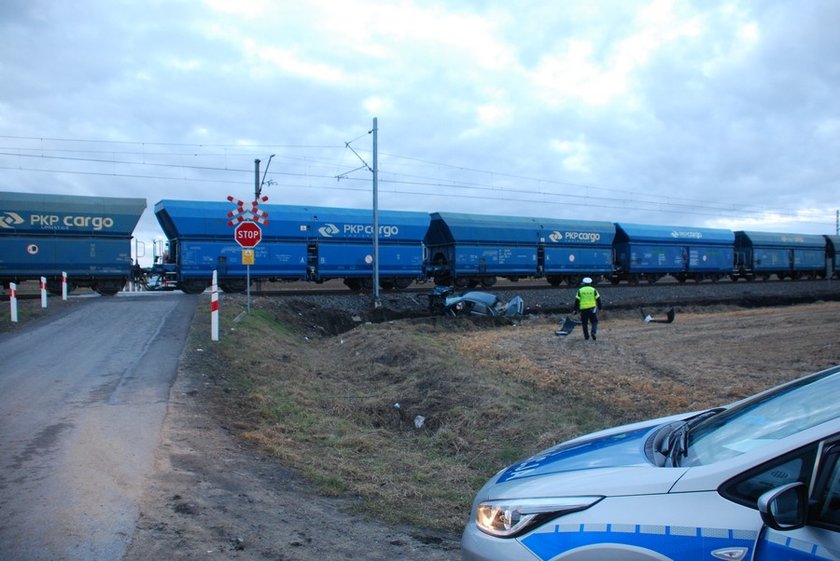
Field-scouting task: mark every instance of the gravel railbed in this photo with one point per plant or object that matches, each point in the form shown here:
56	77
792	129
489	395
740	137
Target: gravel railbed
622	298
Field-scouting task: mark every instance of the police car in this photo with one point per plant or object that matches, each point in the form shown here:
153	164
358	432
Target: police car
755	480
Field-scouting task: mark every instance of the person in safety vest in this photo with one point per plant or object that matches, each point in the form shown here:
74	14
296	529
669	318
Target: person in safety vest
588	302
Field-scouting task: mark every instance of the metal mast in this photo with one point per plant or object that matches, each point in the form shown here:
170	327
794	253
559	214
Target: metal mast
376	301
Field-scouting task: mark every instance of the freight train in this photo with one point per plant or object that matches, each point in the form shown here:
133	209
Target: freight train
317	244
89	239
86	238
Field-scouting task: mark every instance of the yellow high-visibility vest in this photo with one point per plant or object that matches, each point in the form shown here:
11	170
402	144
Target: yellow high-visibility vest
587	296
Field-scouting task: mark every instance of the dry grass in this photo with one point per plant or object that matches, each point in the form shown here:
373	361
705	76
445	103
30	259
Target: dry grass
490	394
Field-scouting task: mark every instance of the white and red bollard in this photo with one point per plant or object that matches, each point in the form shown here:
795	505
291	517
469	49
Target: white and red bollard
64	286
214	310
43	292
13	301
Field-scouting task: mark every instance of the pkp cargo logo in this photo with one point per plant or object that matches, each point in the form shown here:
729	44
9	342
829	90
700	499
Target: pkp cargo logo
358	230
328	230
586	237
10	219
683	234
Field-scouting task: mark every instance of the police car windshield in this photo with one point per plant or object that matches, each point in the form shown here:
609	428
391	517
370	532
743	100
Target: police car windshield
766	419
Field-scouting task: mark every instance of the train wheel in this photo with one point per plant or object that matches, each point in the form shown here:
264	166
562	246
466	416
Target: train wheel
573	280
487	282
353	284
193	286
54	287
403	282
681	277
109	287
234	286
386	284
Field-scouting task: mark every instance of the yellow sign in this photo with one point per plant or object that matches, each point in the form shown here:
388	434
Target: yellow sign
247	256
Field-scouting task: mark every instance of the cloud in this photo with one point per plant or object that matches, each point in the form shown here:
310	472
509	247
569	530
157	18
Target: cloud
661	111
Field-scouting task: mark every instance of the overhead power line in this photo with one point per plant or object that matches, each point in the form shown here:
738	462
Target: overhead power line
319	167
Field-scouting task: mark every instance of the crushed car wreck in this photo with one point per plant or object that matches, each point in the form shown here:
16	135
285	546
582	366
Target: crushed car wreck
473	303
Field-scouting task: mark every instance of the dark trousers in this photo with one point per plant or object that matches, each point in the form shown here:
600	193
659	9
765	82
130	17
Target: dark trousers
586	316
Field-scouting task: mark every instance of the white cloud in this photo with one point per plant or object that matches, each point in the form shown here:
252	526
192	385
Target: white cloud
575	154
638	99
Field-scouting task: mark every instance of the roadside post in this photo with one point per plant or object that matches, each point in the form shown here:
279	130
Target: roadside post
248	234
63	285
43	292
13	301
214	308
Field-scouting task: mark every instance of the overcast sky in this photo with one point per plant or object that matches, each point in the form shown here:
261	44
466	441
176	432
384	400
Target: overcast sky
704	113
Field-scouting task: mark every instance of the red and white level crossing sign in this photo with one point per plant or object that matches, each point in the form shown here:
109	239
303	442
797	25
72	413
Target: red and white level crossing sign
247	234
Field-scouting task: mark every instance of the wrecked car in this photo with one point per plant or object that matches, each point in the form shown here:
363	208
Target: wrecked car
473	303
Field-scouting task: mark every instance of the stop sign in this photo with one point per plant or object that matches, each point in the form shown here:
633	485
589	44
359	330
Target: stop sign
247	234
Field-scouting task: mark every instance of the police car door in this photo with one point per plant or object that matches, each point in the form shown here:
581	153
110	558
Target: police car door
819	537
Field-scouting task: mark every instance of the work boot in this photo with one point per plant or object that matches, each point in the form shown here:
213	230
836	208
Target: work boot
593	337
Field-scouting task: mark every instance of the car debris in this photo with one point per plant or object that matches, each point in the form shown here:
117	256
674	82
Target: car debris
567	327
670	316
473	303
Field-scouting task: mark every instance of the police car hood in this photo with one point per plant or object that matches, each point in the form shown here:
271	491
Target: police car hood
611	463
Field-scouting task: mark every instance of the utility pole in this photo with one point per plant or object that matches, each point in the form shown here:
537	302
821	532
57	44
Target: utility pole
258	185
376	301
257	179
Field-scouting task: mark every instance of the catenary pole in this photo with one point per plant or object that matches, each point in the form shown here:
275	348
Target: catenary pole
376	301
257	179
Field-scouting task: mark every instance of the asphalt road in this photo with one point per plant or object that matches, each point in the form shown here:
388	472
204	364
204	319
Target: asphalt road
83	395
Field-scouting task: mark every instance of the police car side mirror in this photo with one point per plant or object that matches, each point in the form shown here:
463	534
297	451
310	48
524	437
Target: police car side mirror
785	508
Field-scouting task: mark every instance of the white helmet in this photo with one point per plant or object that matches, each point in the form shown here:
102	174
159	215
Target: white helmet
586	280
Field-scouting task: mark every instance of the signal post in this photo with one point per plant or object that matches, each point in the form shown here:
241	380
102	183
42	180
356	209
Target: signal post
248	234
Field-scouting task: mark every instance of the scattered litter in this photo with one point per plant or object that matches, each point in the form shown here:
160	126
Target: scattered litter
567	327
669	317
418	421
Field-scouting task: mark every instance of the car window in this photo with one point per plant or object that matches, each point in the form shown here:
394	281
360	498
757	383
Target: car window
829	501
766	419
746	488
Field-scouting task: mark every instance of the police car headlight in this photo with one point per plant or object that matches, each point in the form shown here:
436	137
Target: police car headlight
507	518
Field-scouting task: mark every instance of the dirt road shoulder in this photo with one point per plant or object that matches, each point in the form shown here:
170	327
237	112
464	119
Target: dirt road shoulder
214	496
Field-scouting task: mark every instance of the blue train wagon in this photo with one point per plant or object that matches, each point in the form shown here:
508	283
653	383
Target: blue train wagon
473	249
645	252
832	256
794	256
88	238
299	243
574	249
